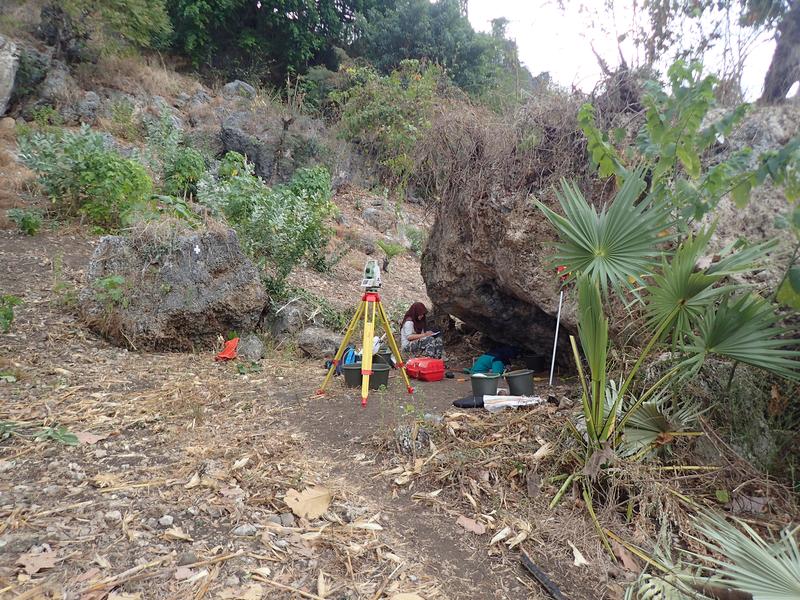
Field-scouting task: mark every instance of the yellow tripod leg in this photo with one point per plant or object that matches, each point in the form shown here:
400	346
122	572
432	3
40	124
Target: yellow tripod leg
366	351
393	346
340	352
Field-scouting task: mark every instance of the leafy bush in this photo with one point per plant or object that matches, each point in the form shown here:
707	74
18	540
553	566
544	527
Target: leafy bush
7	304
28	220
182	171
416	239
388	115
181	167
111	290
82	176
142	23
280	226
390	250
123	121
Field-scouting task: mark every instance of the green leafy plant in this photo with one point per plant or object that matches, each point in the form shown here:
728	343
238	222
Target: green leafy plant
7	304
279	226
390	250
28	220
7	429
678	130
388	115
58	433
123	120
82	176
111	290
416	239
182	170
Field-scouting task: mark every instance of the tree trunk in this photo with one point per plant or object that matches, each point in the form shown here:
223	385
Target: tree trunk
784	69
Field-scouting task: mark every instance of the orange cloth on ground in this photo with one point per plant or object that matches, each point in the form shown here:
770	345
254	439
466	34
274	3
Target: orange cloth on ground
229	351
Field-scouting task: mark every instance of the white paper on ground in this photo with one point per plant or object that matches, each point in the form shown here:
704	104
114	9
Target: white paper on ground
498	403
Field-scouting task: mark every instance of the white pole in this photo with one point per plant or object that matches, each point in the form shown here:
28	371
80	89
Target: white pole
555	339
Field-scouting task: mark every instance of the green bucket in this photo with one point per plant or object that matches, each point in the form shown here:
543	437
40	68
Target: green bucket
379	377
484	384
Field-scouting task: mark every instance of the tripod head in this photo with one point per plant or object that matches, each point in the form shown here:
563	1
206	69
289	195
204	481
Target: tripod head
372	276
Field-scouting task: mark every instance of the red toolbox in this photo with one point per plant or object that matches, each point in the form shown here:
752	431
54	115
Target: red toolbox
425	369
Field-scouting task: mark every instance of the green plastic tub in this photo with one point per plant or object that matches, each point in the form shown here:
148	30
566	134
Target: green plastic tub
520	383
379	377
484	384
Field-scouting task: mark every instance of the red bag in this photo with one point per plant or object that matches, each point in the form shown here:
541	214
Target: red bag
425	369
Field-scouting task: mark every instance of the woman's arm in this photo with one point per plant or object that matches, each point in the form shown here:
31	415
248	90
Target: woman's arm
418	336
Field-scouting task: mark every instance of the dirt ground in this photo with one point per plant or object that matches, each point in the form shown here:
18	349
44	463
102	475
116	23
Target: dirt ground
177	485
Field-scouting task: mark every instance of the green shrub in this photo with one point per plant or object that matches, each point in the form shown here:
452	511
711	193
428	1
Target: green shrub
46	116
111	290
7	304
123	121
82	176
417	239
28	220
279	226
182	170
181	167
388	115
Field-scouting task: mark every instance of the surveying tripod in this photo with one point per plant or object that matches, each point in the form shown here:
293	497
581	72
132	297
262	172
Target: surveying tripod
369	308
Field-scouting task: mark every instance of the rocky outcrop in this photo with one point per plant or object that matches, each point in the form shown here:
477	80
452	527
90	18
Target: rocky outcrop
276	146
486	262
171	291
318	342
8	71
487	259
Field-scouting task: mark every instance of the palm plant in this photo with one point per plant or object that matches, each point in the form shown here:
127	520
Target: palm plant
622	247
749	563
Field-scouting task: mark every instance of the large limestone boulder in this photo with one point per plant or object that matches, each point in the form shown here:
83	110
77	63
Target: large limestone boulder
171	291
487	259
486	262
8	71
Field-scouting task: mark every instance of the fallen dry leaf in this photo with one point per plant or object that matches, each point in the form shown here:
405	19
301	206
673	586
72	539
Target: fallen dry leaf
471	525
321	587
182	573
545	450
251	592
366	525
500	535
579	558
406	596
627	559
311	503
264	572
86	437
240	463
33	563
124	596
176	533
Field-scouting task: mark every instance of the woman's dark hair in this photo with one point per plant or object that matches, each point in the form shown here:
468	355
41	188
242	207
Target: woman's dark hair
413	314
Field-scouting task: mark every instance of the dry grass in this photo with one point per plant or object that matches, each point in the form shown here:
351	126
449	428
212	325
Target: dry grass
136	75
503	470
19	17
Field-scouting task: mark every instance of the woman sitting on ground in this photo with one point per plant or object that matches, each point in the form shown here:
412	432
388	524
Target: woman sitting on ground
415	337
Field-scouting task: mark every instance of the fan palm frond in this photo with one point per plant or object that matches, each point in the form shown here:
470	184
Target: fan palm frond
744	330
749	563
593	334
681	293
653	422
615	246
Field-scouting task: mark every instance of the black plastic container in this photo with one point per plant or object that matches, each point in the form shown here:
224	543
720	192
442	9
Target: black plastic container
537	364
